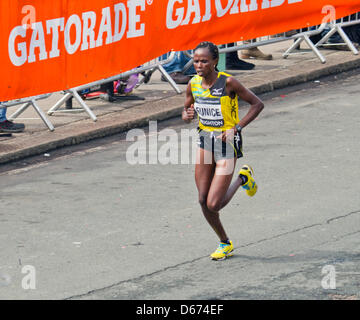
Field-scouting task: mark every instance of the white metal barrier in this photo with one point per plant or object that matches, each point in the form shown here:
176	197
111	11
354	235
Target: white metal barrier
337	27
333	27
297	37
156	64
27	102
305	36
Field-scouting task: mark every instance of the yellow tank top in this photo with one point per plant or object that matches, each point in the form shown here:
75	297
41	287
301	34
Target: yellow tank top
216	110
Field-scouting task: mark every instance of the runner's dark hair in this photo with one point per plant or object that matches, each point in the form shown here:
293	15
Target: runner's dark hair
213	49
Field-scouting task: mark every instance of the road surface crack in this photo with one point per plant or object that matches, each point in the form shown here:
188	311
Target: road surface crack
207	257
343	216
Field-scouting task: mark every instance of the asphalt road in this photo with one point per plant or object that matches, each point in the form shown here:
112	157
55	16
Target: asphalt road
87	224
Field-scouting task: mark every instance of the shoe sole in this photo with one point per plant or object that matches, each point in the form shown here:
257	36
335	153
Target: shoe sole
228	255
11	131
251	195
255	57
252	175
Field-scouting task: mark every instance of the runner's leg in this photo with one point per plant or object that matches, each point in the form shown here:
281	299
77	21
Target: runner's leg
231	191
204	173
219	185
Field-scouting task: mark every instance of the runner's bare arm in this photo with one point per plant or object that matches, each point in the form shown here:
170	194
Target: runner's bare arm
188	112
256	105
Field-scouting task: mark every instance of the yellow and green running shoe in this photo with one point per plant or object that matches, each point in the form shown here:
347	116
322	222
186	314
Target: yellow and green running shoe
250	186
223	251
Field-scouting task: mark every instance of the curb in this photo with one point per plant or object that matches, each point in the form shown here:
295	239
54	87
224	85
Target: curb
306	77
170	112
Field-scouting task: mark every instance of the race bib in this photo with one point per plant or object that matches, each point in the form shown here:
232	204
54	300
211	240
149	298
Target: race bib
209	111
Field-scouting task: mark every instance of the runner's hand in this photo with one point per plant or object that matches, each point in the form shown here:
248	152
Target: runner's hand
227	135
189	113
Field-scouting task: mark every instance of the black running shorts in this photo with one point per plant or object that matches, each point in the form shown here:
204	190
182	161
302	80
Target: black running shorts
220	149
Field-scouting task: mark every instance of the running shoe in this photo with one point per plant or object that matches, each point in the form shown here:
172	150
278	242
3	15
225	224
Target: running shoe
11	127
250	186
223	251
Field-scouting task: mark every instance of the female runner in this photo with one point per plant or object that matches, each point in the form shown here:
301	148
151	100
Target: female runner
214	97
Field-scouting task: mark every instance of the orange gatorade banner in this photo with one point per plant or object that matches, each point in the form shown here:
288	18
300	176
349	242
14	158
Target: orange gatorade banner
47	46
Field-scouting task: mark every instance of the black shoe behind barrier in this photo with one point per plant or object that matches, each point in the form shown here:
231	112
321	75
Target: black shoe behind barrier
234	63
11	127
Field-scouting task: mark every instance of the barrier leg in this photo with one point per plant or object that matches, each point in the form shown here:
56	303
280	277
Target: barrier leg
313	48
83	104
19	111
326	37
59	103
169	79
42	115
347	40
292	48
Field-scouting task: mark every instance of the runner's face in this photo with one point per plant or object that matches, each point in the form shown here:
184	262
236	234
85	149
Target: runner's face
204	63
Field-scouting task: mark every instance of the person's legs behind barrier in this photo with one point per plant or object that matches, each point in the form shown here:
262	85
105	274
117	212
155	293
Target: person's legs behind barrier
7	126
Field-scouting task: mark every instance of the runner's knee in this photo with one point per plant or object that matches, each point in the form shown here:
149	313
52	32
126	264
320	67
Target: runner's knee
213	205
202	200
